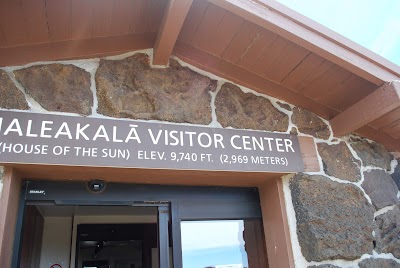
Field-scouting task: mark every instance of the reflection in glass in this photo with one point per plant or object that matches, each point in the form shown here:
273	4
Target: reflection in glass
216	244
106	254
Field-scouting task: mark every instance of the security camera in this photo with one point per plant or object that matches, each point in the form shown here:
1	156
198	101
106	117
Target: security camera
96	186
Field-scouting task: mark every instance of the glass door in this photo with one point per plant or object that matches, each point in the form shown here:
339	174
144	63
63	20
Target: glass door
131	238
222	244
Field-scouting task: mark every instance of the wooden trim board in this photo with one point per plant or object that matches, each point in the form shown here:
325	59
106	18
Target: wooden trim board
309	154
276	226
9	202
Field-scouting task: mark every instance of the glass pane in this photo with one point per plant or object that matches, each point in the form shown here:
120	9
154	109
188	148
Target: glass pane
218	244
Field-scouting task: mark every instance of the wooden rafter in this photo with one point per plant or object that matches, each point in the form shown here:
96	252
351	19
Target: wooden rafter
276	18
171	25
383	100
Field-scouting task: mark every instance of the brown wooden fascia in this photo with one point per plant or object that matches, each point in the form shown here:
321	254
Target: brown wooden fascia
171	25
279	19
86	48
380	102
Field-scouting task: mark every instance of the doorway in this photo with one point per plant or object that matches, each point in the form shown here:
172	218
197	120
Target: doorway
138	226
94	236
115	245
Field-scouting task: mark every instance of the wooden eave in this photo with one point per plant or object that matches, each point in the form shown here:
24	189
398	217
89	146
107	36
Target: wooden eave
259	44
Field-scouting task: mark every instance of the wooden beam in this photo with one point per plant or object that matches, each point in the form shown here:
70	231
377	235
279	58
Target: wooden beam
383	100
171	25
75	49
9	202
277	18
276	227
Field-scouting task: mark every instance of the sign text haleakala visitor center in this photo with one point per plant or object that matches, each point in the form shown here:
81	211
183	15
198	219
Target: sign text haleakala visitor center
31	138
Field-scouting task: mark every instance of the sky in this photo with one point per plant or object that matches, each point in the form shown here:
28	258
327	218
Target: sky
213	244
371	23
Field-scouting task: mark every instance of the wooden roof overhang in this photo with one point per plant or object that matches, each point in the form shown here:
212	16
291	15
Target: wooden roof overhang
258	44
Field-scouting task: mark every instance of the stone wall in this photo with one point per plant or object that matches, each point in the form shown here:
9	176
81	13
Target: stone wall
346	215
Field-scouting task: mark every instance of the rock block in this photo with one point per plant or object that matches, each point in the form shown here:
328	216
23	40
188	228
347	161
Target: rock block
237	109
309	123
334	220
339	162
387	232
11	96
378	263
130	88
371	153
380	188
396	174
58	87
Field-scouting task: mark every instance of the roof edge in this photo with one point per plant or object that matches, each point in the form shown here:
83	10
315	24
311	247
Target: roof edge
295	27
333	36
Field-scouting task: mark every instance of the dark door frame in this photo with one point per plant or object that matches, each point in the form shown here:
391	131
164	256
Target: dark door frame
175	203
